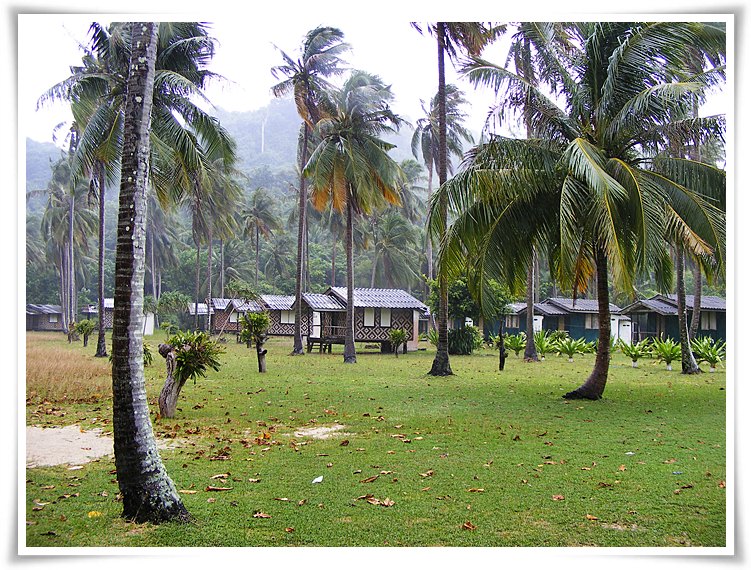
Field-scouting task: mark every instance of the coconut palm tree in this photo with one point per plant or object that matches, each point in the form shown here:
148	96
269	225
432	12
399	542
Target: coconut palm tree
260	219
598	185
451	38
320	58
351	169
394	245
148	494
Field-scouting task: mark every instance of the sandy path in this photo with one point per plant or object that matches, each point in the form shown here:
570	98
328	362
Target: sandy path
58	446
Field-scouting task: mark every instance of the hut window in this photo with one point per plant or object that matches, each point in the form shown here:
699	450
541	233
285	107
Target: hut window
512	321
369	317
53	319
233	317
709	321
287	317
385	317
590	321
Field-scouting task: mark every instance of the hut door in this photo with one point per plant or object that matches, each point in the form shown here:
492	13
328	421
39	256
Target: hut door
316	332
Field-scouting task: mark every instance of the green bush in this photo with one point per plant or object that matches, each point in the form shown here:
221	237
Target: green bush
464	340
706	349
195	353
516	342
254	327
666	351
85	327
398	337
641	349
544	343
571	346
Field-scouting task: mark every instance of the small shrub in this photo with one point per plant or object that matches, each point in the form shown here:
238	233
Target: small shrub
397	337
571	346
148	357
84	328
636	351
432	337
666	351
516	342
464	340
706	349
543	343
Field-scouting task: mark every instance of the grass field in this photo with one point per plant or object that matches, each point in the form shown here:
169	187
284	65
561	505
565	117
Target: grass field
481	458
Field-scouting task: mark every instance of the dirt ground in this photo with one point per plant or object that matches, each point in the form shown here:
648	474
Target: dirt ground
70	445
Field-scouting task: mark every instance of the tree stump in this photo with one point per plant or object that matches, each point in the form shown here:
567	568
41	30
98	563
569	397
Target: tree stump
171	389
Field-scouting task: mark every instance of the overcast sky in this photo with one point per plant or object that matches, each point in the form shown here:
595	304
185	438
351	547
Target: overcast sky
402	57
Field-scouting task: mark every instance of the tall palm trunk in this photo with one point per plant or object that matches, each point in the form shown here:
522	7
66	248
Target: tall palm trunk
333	261
208	283
688	362
198	282
297	348
594	386
258	254
101	344
429	242
696	312
349	332
221	268
530	350
71	265
148	494
441	365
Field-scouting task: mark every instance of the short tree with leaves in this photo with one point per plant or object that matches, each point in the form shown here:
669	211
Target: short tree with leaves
254	329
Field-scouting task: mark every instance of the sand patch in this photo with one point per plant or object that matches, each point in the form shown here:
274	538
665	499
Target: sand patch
321	432
69	445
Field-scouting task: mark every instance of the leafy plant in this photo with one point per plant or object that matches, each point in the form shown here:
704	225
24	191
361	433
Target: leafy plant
397	337
635	351
85	327
706	349
544	343
254	329
571	346
666	351
464	340
195	353
516	342
148	357
432	337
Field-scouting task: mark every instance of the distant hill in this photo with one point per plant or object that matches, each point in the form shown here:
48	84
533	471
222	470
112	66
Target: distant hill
39	158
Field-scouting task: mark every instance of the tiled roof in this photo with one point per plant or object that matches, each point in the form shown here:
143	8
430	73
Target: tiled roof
391	298
708	303
545	309
202	309
323	302
279	302
667	304
247	306
43	309
579	305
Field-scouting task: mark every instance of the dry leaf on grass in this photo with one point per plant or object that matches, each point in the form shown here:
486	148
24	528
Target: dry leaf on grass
558	497
261	515
468	526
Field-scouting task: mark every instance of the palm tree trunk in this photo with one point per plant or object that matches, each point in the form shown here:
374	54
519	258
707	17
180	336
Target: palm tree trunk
333	262
373	269
349	333
297	348
221	268
696	312
258	249
101	344
530	351
441	365
688	362
594	386
208	284
71	265
198	283
148	494
429	241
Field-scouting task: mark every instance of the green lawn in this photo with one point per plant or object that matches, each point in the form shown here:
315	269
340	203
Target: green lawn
482	458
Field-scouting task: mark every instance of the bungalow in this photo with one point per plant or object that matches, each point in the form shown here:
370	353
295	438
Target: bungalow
578	317
91	312
658	316
377	311
282	314
202	310
44	318
226	313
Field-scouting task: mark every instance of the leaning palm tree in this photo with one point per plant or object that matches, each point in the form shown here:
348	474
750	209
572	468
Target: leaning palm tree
351	168
320	58
451	37
598	185
148	494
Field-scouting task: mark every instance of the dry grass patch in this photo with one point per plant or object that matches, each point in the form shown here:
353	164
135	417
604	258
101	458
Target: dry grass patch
58	372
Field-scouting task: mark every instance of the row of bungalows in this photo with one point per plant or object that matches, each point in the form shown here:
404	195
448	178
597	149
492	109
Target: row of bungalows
578	317
377	311
656	316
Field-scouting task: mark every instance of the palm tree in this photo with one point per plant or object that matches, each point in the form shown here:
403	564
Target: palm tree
394	250
96	92
450	37
599	186
259	219
351	169
148	494
306	79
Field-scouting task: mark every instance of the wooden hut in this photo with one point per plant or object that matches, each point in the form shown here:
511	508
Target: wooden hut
658	317
44	317
225	313
281	314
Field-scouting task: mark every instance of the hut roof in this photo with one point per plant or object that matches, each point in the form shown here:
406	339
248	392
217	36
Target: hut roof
278	302
32	309
387	298
323	302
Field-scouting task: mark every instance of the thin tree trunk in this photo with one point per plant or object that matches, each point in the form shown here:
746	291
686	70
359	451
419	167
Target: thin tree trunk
171	389
221	262
297	348
198	280
688	362
258	250
333	262
594	386
101	344
208	283
696	312
530	351
349	333
429	241
148	494
373	269
441	365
